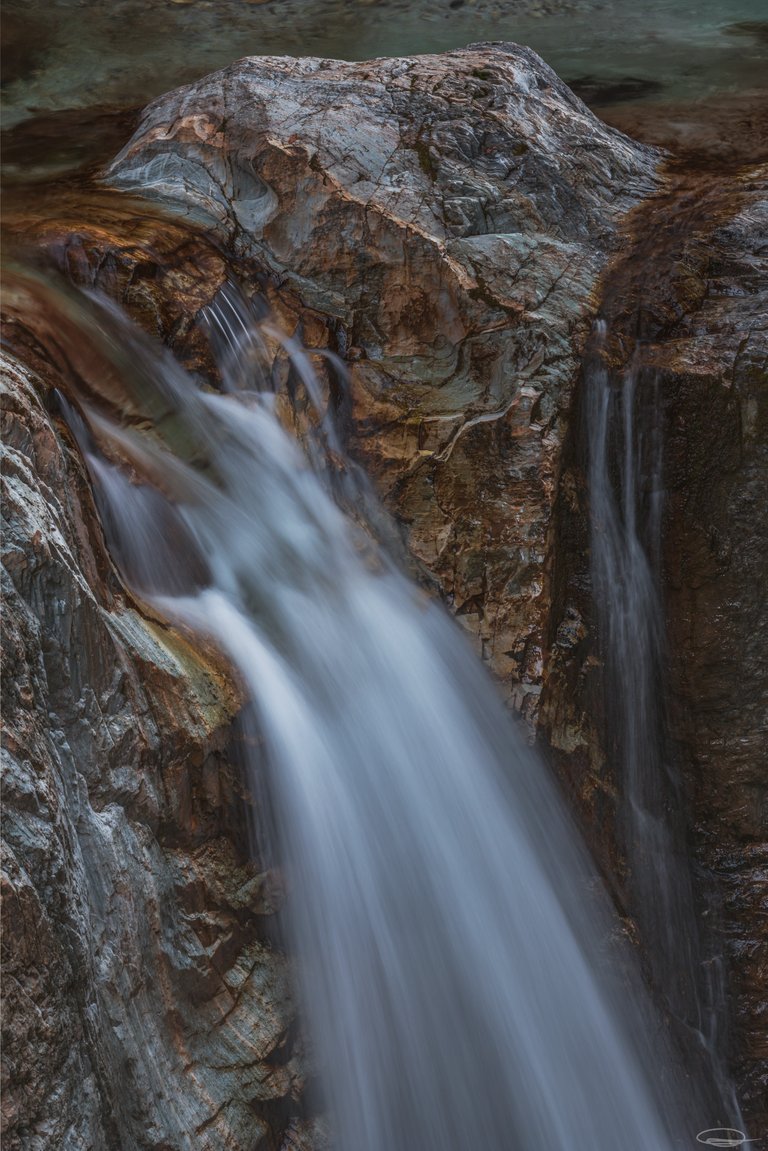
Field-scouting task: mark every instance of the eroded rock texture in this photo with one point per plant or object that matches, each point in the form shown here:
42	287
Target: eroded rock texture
451	215
144	1007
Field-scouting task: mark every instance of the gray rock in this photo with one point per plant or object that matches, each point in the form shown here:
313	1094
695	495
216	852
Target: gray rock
451	215
142	1008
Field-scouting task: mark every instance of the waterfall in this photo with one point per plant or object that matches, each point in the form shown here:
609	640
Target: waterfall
463	981
626	488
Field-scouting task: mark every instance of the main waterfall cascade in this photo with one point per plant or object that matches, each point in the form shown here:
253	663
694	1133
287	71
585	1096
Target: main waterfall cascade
463	980
626	490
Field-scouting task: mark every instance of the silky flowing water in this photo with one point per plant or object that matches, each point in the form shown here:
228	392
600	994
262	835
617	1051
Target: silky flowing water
463	980
626	488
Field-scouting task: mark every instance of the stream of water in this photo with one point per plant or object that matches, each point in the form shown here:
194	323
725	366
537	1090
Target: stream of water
626	486
459	963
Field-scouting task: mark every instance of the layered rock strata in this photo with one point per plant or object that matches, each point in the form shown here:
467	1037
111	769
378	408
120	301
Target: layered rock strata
144	1005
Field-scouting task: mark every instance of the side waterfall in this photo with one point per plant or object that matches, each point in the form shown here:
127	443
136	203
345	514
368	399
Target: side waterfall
458	960
626	488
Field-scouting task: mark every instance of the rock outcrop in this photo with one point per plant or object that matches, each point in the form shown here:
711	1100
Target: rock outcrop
438	210
450	215
715	368
435	221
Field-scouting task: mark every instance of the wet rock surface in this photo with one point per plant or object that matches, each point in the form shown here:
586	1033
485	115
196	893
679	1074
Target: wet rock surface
694	287
716	365
727	131
438	211
168	1023
144	1006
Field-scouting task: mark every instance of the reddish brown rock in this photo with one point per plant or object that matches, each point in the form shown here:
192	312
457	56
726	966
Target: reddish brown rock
698	272
716	367
438	211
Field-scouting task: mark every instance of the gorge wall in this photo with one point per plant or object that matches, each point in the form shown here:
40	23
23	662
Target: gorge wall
446	225
693	280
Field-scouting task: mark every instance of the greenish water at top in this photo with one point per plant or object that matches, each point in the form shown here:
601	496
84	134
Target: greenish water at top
121	53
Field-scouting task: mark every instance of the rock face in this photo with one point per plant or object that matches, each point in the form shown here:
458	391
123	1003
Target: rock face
450	215
144	1007
696	272
716	368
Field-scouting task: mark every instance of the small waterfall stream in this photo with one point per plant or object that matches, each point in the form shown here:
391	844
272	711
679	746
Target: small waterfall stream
626	535
464	982
626	487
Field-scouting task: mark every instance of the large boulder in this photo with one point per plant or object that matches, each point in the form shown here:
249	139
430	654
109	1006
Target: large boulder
440	221
450	215
455	217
